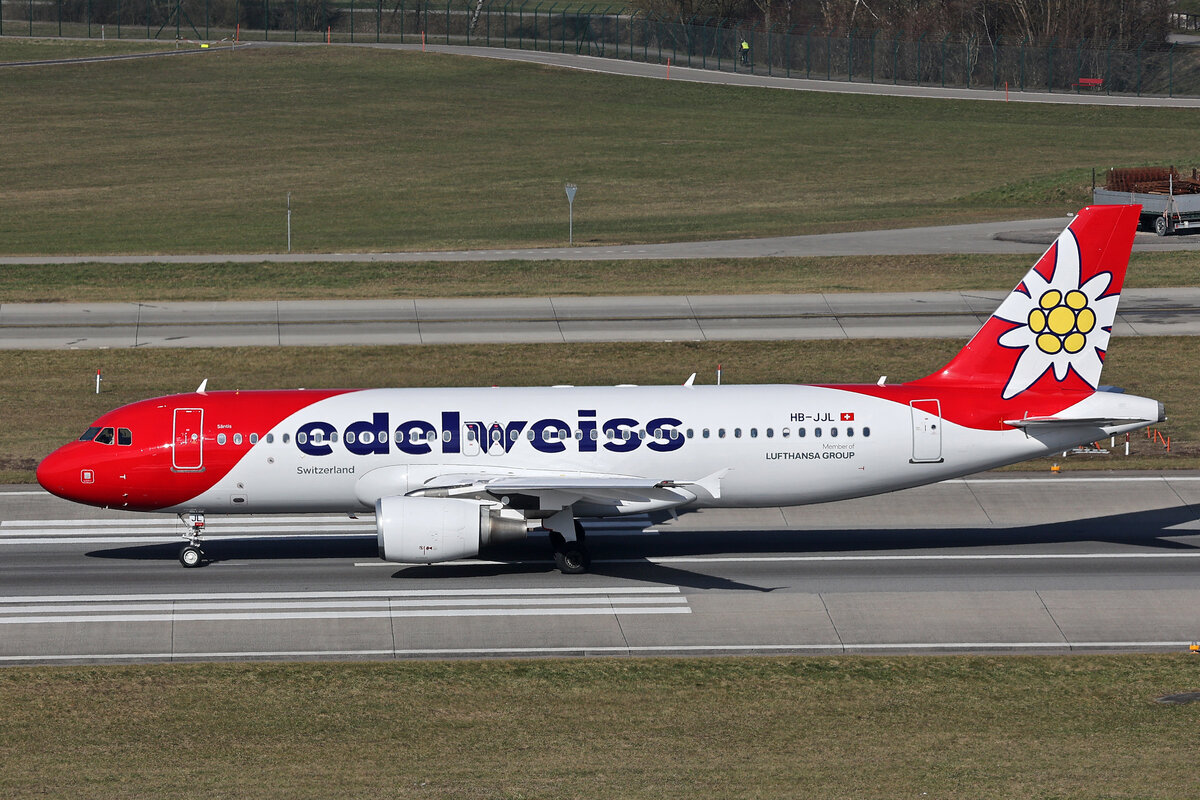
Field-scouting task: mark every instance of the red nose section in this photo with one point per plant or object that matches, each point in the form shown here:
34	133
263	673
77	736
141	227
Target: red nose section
62	473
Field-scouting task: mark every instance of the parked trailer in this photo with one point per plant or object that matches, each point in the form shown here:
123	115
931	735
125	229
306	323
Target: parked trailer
1162	213
1169	200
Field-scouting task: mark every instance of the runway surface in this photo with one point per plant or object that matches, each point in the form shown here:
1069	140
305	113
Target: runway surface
1144	312
1004	562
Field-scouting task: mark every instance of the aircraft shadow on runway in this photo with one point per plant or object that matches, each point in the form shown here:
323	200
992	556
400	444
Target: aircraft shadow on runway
628	556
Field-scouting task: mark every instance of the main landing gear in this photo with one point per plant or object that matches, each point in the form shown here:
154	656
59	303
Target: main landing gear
571	557
192	555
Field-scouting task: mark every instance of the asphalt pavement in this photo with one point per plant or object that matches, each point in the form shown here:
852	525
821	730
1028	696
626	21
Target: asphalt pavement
34	326
999	563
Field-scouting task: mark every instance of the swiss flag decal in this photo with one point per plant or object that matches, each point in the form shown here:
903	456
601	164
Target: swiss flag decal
847	416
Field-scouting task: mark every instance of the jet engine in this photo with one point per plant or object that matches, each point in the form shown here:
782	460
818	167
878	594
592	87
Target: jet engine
423	530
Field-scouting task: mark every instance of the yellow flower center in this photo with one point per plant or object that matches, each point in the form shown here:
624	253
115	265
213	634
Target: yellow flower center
1062	322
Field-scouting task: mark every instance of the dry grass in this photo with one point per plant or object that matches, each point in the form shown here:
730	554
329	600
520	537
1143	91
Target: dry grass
388	151
25	49
47	397
270	281
1015	727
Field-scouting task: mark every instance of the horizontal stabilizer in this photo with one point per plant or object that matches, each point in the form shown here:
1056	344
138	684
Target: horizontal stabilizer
1074	422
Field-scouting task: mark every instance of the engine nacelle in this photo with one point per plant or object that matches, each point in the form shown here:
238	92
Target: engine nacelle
422	530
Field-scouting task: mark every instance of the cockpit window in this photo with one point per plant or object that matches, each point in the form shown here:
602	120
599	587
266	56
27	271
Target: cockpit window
89	434
105	436
124	437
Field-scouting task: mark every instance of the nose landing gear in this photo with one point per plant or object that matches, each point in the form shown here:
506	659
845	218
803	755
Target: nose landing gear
192	555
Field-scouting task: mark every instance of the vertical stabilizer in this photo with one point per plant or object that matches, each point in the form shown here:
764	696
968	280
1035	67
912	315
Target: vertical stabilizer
1051	333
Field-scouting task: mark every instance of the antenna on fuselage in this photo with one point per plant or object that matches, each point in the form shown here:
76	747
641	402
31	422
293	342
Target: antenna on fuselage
203	385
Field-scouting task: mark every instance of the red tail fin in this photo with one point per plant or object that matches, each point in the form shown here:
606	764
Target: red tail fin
1052	331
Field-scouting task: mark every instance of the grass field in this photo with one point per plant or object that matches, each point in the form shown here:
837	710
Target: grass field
269	281
15	48
47	397
846	727
390	150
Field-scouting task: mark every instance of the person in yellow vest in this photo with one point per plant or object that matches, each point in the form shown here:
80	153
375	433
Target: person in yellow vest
745	52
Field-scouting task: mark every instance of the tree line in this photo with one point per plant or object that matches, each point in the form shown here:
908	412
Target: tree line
1097	21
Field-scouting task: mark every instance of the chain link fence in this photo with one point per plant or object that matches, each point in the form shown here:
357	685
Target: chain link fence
613	32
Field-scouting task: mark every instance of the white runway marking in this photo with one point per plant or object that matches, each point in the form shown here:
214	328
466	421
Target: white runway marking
340	605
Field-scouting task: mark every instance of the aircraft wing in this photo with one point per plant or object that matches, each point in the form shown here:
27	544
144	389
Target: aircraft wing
626	493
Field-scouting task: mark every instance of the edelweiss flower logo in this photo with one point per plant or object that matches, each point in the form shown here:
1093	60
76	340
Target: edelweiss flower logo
1061	323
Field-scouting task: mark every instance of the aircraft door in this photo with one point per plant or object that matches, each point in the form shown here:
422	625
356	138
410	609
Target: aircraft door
927	431
187	450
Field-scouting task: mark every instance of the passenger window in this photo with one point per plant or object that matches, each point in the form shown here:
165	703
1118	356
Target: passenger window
105	436
350	437
788	432
301	438
124	437
593	435
89	434
866	431
445	436
816	433
704	433
254	438
833	432
801	432
770	433
271	438
237	438
737	433
754	433
221	438
849	431
691	433
333	436
287	437
720	433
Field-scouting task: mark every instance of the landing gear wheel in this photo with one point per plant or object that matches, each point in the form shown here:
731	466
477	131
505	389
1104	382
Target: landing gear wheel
191	556
1162	226
571	558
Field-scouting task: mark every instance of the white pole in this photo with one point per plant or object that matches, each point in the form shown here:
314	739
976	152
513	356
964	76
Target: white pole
571	189
289	222
97	381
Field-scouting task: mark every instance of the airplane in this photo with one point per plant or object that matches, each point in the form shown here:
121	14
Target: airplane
450	472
